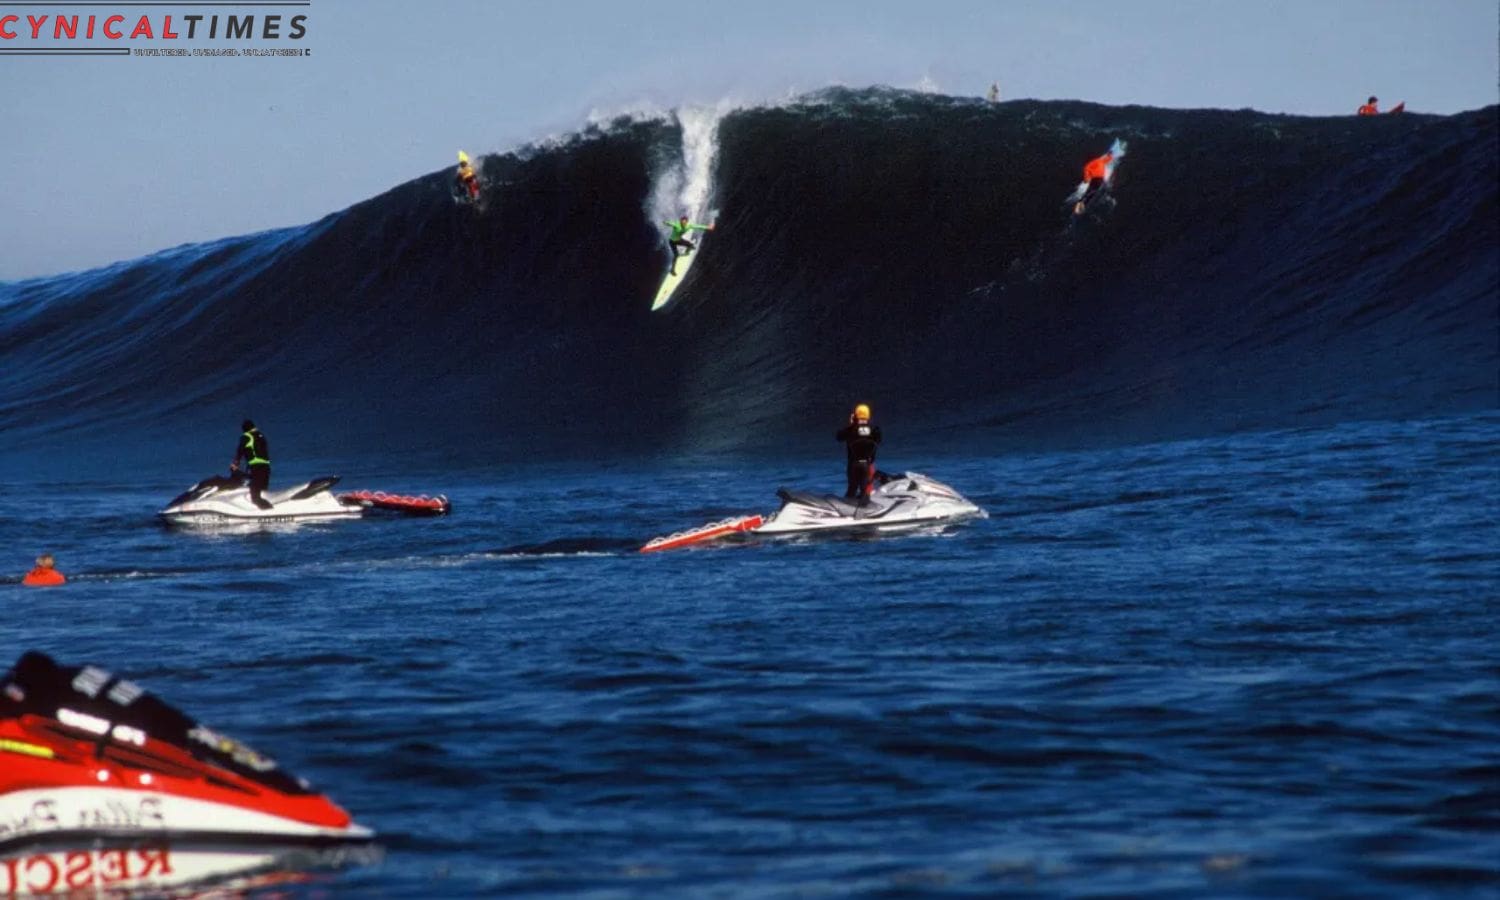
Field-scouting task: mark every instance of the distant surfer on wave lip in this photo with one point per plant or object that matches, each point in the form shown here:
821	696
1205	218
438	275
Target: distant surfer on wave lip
678	238
1094	173
1372	107
466	179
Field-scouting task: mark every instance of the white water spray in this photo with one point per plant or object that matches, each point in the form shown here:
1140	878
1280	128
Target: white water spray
684	187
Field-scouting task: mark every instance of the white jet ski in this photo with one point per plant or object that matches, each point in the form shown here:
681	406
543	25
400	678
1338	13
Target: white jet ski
220	500
902	502
908	500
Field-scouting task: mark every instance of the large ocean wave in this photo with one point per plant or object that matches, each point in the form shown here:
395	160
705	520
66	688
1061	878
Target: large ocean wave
908	250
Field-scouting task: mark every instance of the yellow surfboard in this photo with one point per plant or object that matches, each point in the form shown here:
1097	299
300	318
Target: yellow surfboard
672	281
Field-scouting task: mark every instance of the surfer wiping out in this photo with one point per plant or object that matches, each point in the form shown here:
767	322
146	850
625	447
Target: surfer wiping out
678	239
1094	173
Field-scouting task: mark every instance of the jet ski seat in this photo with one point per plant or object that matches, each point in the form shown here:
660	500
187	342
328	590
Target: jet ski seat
840	506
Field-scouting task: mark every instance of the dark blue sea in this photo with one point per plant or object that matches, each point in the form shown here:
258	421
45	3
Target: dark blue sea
1261	666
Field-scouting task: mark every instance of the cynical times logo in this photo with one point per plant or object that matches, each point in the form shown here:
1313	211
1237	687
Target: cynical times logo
41	32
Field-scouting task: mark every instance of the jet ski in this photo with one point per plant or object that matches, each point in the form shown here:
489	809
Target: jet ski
908	500
219	499
106	788
900	502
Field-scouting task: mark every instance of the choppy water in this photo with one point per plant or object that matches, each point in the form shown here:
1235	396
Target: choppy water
1264	665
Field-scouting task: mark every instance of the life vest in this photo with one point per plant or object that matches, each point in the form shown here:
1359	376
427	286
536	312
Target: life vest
1368	110
255	444
40	577
1097	168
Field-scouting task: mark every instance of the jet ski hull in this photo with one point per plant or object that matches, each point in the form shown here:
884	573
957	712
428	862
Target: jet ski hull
226	501
120	816
99	839
99	869
908	502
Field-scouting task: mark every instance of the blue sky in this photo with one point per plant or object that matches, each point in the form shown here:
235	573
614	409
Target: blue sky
111	158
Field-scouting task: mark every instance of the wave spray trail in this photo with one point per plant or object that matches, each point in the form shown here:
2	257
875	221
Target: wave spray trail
684	186
907	250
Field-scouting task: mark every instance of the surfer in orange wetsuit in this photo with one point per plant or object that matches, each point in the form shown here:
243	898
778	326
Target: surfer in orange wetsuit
44	575
1094	173
1370	108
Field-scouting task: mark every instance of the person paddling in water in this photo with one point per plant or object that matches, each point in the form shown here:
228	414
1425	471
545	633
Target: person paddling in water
678	238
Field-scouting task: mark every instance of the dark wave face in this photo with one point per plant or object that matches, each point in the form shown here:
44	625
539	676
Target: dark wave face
912	251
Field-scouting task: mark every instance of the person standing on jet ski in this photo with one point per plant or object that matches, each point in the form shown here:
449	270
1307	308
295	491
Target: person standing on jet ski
257	455
860	438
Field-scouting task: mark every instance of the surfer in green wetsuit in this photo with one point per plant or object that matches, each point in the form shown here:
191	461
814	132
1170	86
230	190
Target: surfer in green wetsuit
680	230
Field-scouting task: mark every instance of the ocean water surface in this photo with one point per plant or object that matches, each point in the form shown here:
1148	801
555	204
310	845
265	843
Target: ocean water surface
1258	665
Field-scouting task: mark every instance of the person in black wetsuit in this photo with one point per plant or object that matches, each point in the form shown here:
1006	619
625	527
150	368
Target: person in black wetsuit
256	452
860	439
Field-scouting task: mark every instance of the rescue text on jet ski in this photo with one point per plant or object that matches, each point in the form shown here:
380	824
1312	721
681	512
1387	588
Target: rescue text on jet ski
102	785
901	502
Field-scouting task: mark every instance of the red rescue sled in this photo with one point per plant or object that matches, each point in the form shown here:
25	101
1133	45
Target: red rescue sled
422	505
709	532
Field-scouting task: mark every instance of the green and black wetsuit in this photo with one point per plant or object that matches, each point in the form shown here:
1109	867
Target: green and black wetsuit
256	453
678	239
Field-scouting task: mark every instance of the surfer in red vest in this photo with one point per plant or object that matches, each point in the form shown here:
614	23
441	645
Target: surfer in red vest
1094	173
1370	108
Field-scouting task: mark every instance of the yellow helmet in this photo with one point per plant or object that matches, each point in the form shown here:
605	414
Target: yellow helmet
862	411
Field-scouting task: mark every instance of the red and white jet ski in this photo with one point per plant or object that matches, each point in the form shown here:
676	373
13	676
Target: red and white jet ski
104	788
904	502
